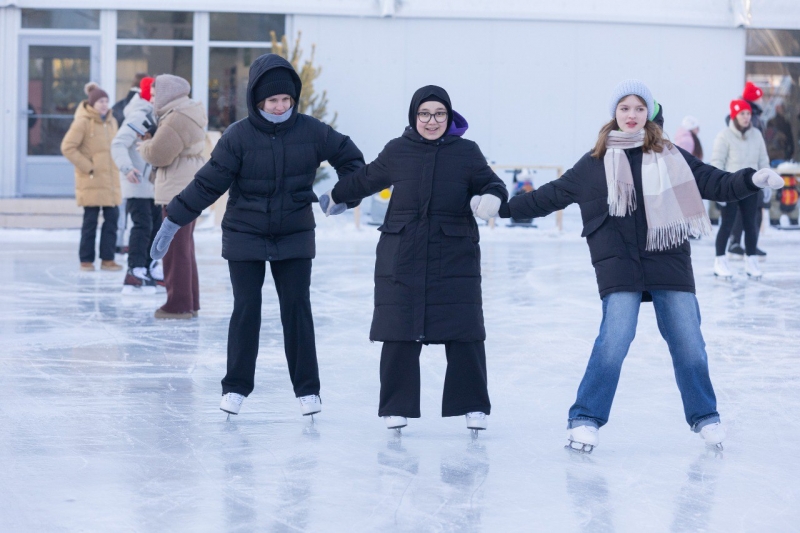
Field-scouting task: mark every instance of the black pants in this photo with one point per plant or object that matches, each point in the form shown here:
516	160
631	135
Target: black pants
465	388
108	233
748	208
146	220
292	281
736	232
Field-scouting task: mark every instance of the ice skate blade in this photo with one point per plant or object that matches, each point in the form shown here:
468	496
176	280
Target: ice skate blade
723	278
754	278
579	447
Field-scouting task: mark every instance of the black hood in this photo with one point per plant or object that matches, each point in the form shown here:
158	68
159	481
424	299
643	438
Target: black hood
420	96
259	67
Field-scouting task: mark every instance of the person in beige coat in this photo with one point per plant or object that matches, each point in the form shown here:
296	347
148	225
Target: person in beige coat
176	151
87	145
739	146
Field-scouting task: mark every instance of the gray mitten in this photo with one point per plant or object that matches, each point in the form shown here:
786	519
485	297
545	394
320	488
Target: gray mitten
329	207
163	238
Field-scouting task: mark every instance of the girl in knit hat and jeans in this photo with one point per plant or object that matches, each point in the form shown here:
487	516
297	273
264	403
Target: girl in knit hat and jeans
268	161
640	199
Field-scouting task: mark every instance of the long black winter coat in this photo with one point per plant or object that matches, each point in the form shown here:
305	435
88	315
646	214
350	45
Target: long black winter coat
428	264
270	171
617	244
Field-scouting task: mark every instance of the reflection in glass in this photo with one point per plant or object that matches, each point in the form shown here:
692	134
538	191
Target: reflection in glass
153	60
773	43
56	76
227	84
155	25
61	19
246	26
781	106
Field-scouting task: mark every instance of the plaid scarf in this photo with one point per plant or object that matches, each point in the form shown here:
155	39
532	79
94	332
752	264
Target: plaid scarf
672	200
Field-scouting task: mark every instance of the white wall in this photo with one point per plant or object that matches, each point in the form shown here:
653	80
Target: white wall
533	92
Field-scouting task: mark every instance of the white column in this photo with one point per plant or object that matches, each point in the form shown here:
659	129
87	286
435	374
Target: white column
108	52
200	55
10	20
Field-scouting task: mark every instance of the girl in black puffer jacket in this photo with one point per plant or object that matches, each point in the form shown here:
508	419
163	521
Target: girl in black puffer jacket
427	269
268	161
640	199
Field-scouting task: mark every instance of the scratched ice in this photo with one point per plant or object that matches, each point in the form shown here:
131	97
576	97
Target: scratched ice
110	420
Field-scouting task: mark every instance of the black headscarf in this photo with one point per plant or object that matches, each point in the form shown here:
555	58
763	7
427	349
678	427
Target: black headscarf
426	94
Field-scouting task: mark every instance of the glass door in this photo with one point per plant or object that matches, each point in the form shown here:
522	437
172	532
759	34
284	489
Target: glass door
53	73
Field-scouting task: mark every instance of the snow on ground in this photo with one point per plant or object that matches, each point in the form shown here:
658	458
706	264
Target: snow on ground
111	419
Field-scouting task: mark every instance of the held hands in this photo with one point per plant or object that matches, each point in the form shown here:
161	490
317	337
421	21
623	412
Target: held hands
134	175
766	177
485	206
329	207
163	238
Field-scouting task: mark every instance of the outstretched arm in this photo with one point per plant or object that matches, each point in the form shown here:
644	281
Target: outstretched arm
343	155
364	182
550	197
718	185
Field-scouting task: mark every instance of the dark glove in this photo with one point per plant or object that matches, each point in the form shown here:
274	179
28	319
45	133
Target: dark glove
163	238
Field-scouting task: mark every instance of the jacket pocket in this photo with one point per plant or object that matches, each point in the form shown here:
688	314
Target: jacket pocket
459	253
591	226
305	197
387	254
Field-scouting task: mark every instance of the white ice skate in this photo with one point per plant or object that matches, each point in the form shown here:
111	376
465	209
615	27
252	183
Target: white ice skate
713	434
721	269
751	267
476	421
395	422
582	439
231	403
311	404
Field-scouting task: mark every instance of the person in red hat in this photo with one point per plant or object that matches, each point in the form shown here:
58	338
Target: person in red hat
739	146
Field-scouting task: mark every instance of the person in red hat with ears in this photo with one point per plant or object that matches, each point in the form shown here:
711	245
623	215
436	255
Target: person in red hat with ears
739	146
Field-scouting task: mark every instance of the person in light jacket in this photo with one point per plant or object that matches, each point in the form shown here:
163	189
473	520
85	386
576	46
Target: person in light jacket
87	145
176	149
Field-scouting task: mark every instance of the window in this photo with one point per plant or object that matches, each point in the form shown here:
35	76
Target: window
773	42
246	26
229	69
61	19
153	60
169	25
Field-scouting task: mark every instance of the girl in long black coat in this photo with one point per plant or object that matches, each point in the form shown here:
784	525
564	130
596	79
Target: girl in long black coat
640	199
427	268
268	161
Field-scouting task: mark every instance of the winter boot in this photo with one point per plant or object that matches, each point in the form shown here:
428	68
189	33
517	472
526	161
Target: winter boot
713	434
138	282
476	420
160	313
751	267
395	422
735	251
231	403
311	404
721	269
87	267
582	439
110	265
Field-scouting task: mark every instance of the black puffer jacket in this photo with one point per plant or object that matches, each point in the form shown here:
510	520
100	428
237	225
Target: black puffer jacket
617	244
428	264
270	171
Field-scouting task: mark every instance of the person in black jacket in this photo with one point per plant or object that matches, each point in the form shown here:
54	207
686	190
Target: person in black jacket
268	162
640	198
427	267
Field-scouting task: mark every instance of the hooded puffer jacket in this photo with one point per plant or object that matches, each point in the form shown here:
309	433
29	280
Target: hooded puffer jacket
734	150
125	152
270	170
177	147
87	145
428	260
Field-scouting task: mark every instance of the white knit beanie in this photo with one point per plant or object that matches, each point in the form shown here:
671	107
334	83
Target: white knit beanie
690	123
631	87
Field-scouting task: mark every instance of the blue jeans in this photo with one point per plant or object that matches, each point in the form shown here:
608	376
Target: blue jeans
678	317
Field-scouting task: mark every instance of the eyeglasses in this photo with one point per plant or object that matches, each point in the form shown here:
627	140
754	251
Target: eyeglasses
439	116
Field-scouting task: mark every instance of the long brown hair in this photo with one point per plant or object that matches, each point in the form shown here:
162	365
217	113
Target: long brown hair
653	137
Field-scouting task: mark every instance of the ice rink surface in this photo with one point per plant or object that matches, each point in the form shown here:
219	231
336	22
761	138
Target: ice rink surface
110	419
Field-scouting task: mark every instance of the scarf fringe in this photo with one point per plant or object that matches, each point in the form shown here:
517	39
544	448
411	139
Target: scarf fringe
674	233
623	202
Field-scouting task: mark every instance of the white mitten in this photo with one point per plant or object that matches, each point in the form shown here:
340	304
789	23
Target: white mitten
488	206
473	204
766	177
